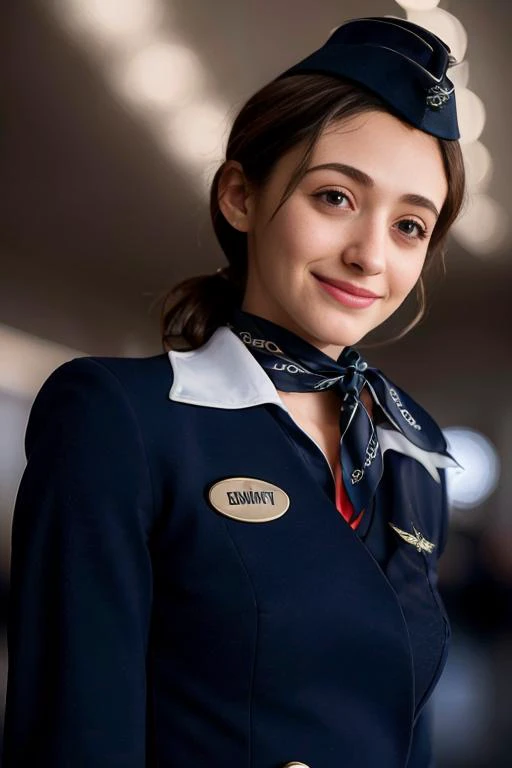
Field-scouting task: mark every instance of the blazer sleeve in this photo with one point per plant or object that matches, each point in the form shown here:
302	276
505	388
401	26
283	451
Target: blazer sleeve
80	580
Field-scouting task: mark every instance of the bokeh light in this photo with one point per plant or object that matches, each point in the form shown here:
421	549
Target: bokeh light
113	21
478	165
197	133
418	5
483	226
471	115
444	25
473	484
162	75
459	74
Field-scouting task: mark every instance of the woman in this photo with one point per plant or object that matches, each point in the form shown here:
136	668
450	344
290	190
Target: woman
202	573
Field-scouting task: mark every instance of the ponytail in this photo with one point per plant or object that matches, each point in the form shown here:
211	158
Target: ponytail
195	308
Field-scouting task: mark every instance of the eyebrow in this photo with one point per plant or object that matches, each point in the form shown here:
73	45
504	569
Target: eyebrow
366	181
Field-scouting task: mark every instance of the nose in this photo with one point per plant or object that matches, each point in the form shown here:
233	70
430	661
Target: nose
365	245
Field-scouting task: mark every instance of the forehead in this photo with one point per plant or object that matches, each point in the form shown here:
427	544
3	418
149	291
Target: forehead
398	158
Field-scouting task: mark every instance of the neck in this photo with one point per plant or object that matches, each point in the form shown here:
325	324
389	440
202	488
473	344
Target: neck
317	407
320	407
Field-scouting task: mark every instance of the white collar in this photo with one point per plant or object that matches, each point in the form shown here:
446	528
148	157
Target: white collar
223	374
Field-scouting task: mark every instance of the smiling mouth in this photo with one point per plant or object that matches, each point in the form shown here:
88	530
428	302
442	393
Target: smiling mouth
347	294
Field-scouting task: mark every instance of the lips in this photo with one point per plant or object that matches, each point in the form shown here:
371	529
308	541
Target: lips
355	290
347	294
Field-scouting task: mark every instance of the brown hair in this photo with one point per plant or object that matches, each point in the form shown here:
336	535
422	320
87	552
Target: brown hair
279	117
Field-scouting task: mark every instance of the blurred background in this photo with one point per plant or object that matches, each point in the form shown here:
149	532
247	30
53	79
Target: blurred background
114	114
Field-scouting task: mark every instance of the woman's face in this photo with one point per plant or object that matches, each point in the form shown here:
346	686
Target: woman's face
347	247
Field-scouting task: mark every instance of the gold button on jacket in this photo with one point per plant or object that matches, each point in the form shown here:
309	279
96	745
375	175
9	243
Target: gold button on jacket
295	765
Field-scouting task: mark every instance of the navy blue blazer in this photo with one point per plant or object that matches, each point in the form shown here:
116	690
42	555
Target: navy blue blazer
149	628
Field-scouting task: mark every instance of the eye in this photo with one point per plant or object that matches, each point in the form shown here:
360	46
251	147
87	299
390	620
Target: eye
333	197
412	229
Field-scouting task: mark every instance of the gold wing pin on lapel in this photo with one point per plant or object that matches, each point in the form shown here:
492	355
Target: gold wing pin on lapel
416	539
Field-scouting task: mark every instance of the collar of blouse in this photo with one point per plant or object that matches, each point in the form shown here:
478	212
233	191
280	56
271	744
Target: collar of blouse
224	374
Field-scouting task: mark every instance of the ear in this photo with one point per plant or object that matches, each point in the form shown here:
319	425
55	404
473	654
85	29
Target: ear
233	193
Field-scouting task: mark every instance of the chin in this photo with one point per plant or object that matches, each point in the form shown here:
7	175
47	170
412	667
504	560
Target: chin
336	334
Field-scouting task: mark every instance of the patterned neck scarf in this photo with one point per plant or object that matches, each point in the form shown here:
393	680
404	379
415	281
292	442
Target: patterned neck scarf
294	365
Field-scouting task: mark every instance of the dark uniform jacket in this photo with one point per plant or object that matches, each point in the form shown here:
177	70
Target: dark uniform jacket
151	628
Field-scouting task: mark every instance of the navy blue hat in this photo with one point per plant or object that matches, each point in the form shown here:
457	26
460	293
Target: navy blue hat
399	61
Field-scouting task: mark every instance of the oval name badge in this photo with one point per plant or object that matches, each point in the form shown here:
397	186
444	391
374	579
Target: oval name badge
248	500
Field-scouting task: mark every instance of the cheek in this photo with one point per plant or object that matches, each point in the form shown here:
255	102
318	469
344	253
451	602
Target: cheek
302	237
405	276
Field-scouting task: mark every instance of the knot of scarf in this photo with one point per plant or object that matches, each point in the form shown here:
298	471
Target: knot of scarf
294	365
